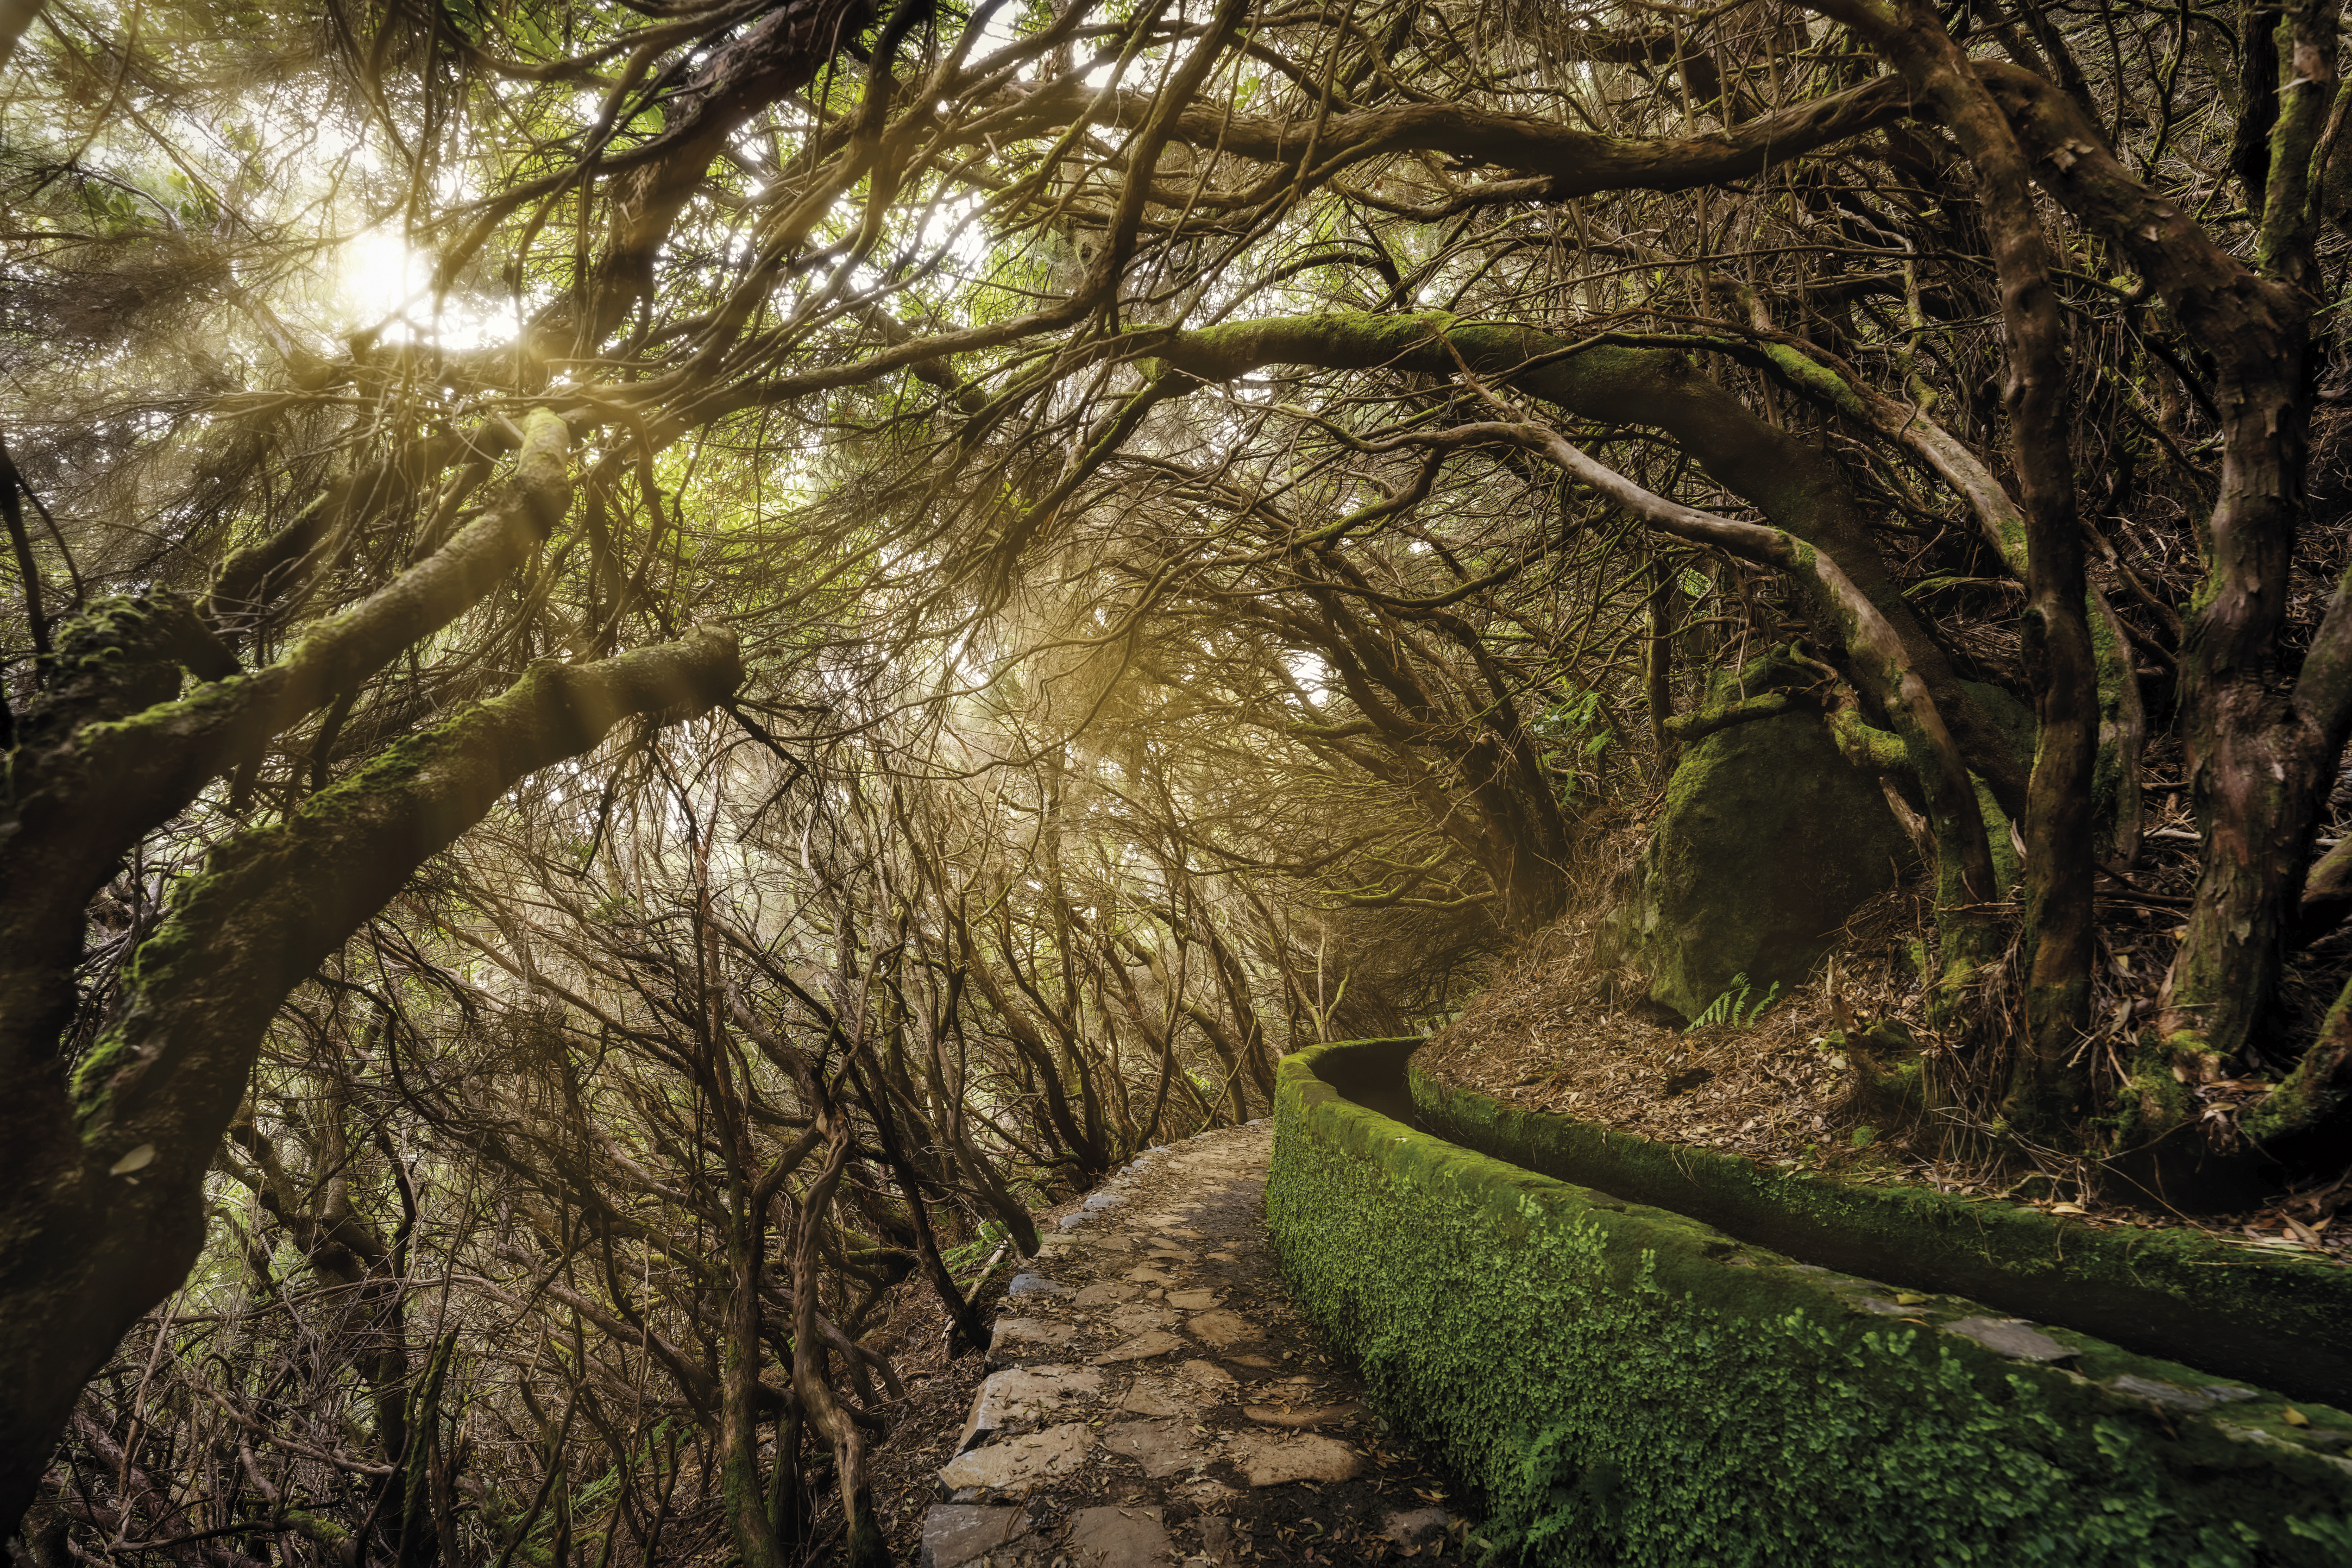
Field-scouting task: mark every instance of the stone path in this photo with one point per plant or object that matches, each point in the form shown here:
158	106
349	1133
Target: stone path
1154	1400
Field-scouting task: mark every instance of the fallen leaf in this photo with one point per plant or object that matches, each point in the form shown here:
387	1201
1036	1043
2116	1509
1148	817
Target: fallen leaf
138	1159
2066	1208
2295	1417
1908	1301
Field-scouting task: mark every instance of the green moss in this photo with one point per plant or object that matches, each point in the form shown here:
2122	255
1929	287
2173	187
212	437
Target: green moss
1769	842
2282	1320
1625	1385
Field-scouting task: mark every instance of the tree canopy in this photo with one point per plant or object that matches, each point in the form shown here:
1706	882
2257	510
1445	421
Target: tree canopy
666	661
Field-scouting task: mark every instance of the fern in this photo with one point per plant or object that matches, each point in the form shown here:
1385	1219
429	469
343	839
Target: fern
1732	1006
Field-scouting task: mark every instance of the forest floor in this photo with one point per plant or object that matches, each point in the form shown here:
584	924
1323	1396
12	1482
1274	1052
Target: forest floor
1551	1033
1150	1398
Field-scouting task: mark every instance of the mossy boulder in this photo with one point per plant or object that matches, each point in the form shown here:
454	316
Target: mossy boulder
1770	841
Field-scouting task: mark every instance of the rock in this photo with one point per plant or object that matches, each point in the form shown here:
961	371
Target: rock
1142	1347
2012	1336
1148	1399
1159	1446
1267	1460
1115	1537
1106	1293
1017	1337
1300	1416
1148	1275
1418	1528
1103	1200
1218	1330
1020	1395
957	1533
1208	1377
1035	1285
1136	1318
1192	1300
1015	1464
1768	841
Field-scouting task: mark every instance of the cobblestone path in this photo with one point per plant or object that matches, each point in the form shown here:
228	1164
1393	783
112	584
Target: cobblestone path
1154	1400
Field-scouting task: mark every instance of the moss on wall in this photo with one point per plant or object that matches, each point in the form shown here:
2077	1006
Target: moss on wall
1625	1385
2281	1320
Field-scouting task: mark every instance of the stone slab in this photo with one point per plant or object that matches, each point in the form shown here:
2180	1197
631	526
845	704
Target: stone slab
1161	1448
1117	1537
2012	1337
1300	1416
1138	1316
1219	1328
1020	1395
959	1535
1021	1337
1012	1465
1144	1346
1148	1397
1266	1460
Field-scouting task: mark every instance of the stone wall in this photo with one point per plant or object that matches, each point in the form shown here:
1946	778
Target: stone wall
1622	1385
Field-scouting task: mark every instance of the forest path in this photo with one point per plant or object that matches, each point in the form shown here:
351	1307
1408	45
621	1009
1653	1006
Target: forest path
1156	1401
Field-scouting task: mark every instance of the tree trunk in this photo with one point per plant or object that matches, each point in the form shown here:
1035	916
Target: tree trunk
101	1212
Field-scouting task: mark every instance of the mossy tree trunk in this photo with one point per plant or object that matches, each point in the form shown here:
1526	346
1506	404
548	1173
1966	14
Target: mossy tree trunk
2263	742
101	1178
2045	1097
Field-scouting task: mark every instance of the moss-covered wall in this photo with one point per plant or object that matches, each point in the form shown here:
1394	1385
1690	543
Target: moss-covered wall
1623	1385
2281	1320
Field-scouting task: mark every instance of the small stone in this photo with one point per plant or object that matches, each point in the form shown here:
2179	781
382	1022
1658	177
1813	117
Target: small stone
1114	1537
1017	1463
1223	1258
1024	1395
2012	1337
1302	1415
955	1533
1148	1399
1267	1460
1255	1362
1017	1337
1142	1347
1035	1285
1415	1529
1106	1293
1192	1300
1148	1275
1103	1200
1218	1330
1158	1446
